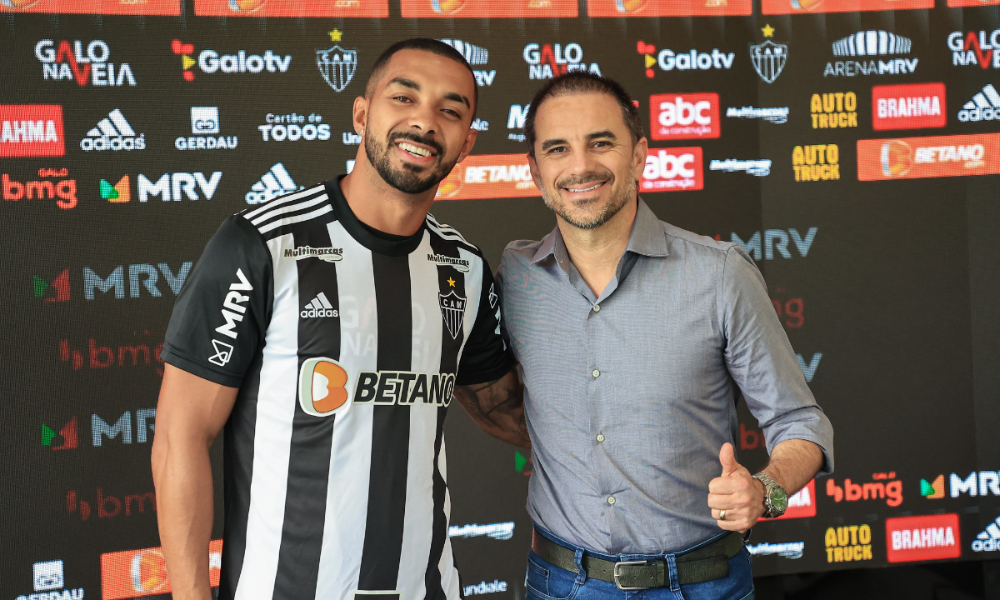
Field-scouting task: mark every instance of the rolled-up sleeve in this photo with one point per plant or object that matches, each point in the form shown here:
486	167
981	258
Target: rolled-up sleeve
761	361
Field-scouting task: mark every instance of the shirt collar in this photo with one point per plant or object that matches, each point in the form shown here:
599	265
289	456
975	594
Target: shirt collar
646	239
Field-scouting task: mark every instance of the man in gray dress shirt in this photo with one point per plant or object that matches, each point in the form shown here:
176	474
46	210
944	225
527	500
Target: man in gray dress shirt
633	336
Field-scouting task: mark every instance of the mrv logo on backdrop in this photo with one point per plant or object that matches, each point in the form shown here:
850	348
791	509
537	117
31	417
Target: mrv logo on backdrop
170	186
551	60
85	63
871	43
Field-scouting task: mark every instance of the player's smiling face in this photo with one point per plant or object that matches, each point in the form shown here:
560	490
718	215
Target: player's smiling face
418	120
585	164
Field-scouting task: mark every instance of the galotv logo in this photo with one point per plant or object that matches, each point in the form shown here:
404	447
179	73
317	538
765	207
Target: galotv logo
684	116
31	130
668	60
673	169
211	61
930	537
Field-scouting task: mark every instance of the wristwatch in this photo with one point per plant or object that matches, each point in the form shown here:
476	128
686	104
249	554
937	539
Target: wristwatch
775	497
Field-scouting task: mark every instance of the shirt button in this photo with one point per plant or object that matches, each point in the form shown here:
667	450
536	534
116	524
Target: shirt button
595	373
597	308
600	437
611	500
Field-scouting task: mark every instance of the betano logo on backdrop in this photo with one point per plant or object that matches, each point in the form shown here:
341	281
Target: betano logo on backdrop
938	156
54	184
684	116
786	7
211	62
489	176
668	8
31	130
546	61
165	8
911	106
930	537
139	573
487	9
86	64
291	8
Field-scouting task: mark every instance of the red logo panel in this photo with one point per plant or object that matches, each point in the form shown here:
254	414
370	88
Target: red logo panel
166	8
489	176
791	7
138	573
291	8
913	106
668	8
937	156
487	9
673	170
684	116
31	130
930	537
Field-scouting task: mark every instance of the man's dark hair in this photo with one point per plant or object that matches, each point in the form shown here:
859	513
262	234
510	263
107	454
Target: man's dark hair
582	82
427	45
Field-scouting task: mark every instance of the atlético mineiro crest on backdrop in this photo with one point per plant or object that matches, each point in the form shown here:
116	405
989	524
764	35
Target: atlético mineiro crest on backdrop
337	66
768	58
452	311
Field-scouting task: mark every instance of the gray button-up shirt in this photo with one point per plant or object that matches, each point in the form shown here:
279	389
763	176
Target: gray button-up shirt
630	396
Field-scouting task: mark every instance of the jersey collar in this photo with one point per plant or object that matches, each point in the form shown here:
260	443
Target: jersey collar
376	241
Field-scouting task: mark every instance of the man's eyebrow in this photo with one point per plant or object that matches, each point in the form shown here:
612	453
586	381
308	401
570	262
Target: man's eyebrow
458	98
552	142
607	133
405	83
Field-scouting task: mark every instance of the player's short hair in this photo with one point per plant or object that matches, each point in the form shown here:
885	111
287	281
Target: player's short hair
582	82
427	45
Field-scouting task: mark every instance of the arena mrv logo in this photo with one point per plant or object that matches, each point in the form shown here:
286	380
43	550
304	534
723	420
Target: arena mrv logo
871	43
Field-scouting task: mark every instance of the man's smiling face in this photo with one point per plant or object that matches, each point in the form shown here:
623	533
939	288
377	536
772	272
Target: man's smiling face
585	163
418	120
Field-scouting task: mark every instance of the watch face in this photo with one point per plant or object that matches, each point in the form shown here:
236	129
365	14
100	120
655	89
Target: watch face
779	499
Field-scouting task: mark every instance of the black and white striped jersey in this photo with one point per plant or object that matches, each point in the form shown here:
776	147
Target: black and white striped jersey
346	344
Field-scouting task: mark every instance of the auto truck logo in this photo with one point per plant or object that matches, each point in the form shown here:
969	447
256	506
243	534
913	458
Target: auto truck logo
768	58
337	66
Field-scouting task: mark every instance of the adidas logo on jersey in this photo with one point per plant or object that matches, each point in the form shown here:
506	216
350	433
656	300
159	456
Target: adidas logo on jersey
113	132
989	540
984	106
319	307
274	183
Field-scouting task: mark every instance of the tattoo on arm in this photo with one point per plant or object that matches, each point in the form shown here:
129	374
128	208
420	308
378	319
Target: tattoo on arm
498	408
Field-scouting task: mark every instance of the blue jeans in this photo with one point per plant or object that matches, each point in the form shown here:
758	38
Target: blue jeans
545	581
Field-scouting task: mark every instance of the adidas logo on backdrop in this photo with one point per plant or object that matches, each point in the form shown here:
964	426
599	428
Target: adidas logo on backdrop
274	183
113	132
984	106
988	540
319	307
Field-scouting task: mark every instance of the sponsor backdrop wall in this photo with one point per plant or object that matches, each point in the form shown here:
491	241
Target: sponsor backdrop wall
851	146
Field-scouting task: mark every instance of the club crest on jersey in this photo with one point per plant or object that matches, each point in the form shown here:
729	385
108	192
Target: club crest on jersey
452	311
323	387
459	264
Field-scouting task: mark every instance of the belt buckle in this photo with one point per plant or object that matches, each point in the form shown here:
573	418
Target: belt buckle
627	563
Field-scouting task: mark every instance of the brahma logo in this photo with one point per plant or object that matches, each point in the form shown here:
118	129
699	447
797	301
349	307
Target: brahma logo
552	60
834	110
975	48
785	7
885	487
848	543
939	156
668	60
871	43
138	573
63	189
684	116
85	64
801	504
818	162
672	170
210	61
913	106
667	8
489	176
487	9
291	8
31	130
323	387
930	537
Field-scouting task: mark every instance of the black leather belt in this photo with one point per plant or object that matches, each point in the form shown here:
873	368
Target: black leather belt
703	564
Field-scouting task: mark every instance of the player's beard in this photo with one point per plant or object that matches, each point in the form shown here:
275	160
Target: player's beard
621	194
408	179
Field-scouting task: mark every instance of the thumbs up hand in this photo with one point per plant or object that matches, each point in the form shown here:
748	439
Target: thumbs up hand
735	498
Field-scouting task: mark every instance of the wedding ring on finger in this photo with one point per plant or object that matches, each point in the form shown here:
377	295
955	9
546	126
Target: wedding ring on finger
722	515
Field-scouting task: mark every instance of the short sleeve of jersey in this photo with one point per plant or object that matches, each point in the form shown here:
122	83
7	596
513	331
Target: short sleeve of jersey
222	312
486	356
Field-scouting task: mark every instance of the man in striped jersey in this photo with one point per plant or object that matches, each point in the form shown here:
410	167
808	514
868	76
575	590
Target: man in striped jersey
327	330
